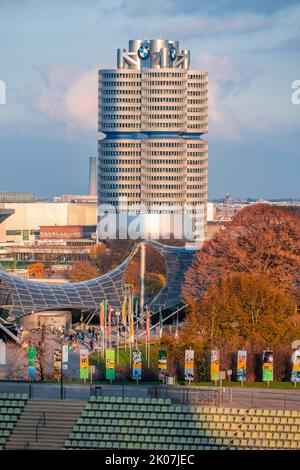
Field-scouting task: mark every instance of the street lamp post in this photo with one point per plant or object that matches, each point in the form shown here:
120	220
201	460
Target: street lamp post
61	369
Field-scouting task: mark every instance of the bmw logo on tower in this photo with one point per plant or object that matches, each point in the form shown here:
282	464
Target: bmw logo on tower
144	52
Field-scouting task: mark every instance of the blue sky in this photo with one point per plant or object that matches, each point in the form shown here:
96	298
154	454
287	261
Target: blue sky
50	53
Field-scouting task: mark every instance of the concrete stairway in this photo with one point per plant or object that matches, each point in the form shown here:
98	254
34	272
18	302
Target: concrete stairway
60	418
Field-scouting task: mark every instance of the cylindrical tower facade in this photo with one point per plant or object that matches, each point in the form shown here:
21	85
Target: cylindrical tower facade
92	176
153	111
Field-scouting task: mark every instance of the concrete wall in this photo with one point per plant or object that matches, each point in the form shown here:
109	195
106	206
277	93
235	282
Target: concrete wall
54	319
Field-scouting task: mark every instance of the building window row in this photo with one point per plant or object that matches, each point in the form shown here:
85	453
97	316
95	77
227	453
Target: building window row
197	118
163	187
161	91
114	91
195	195
197	93
164	162
119	169
110	117
119	153
163	178
120	186
168	169
113	125
164	116
198	101
120	100
202	109
164	74
166	99
120	75
197	85
197	126
196	170
163	153
104	83
197	76
159	125
163	83
118	178
196	178
132	109
120	144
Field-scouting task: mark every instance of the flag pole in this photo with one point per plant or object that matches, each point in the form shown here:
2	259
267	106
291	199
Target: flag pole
118	337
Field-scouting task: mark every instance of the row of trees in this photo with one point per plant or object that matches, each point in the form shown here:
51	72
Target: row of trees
243	288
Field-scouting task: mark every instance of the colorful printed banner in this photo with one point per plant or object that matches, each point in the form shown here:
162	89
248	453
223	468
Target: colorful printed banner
136	364
110	364
84	364
31	362
267	366
189	365
109	322
215	365
131	320
162	363
2	352
162	359
57	363
296	366
65	353
241	366
101	316
124	311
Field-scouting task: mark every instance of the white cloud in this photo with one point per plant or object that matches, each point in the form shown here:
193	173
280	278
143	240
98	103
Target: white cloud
70	97
223	74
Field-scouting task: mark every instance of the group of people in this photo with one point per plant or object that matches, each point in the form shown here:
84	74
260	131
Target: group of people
90	337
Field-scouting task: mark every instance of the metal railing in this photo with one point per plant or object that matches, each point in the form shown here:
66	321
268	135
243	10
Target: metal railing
42	419
192	395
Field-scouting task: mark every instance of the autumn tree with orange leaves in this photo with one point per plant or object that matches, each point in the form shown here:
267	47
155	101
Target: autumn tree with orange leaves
261	239
243	309
82	271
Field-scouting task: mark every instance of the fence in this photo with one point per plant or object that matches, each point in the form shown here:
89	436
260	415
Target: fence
237	397
193	395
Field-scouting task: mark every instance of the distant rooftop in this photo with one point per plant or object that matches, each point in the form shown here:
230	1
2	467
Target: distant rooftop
16	197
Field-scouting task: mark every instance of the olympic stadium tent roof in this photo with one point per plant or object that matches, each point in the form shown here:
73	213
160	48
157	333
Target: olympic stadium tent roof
5	213
27	296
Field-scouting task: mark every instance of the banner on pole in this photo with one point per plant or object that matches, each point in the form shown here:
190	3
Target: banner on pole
65	353
124	311
136	364
147	324
131	319
84	364
31	361
109	323
57	363
215	365
2	352
110	364
267	366
162	363
296	366
241	366
189	365
101	316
